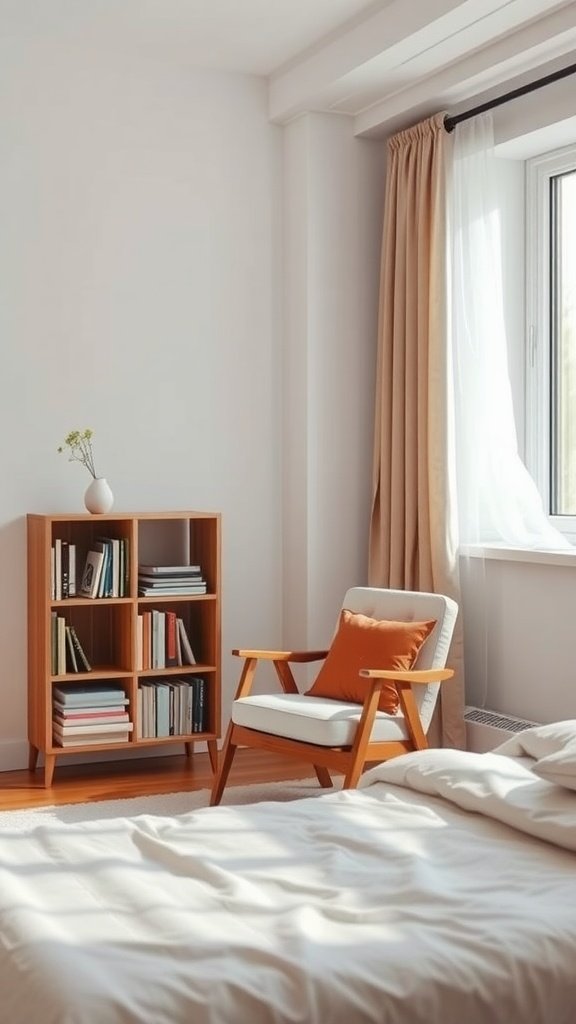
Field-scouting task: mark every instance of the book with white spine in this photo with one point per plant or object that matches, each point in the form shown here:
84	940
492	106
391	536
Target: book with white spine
87	730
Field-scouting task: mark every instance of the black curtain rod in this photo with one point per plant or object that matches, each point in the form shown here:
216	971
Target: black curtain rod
451	122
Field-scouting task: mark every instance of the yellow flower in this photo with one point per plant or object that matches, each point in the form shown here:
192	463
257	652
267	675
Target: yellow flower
79	445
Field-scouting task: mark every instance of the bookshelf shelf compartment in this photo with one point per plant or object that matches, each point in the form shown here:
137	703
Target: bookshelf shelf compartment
109	628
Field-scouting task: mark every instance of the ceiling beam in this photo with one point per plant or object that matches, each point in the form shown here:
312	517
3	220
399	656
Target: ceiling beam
379	66
549	41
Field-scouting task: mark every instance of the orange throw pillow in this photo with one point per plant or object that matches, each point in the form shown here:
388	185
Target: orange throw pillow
361	642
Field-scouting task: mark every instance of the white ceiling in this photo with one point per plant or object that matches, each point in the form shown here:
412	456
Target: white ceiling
382	62
250	36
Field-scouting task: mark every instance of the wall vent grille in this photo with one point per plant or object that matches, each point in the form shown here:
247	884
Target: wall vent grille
480	716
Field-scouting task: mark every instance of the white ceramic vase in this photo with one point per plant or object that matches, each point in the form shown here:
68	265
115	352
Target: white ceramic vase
98	497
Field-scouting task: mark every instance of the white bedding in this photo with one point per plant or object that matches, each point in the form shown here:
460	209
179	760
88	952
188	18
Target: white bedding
389	904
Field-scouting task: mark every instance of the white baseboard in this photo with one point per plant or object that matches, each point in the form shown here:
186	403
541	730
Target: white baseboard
14	755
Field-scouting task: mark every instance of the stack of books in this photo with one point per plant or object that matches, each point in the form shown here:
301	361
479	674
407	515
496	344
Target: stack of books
171	707
106	569
162	641
166	580
93	714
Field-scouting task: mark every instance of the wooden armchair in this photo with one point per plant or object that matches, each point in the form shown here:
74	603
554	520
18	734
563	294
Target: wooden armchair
340	735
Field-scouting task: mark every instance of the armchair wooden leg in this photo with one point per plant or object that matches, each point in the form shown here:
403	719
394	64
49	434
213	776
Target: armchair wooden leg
213	755
323	776
354	772
362	739
221	778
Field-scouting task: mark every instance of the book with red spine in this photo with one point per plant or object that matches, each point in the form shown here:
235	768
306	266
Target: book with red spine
171	649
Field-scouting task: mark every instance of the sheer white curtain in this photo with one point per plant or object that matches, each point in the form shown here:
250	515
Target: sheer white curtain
497	499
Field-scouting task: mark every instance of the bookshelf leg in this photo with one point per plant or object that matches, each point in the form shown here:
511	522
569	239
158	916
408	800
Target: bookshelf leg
32	758
49	766
213	755
189	748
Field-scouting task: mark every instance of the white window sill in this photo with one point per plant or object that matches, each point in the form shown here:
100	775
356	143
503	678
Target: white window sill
502	553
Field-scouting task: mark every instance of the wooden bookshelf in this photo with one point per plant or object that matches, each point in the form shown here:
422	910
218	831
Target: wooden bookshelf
107	626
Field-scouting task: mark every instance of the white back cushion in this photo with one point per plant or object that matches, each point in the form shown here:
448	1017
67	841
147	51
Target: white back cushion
412	606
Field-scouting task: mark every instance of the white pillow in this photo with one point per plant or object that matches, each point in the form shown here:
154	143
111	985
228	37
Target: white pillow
540	741
559	768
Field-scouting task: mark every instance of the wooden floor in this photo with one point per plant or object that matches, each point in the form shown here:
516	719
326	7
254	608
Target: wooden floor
132	778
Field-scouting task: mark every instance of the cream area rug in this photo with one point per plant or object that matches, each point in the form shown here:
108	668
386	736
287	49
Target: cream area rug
164	804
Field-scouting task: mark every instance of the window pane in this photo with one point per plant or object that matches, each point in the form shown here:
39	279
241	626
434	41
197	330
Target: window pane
563	347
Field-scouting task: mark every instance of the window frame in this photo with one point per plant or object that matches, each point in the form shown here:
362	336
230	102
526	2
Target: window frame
538	427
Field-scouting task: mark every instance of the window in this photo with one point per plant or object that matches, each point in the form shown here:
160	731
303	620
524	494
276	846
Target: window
551	324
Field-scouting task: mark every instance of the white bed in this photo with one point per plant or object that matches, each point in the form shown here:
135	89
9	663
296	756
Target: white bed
443	890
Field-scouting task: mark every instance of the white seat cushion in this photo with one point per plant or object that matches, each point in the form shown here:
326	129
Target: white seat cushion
329	723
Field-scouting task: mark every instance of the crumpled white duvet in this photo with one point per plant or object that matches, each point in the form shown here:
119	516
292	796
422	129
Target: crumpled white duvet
499	787
386	905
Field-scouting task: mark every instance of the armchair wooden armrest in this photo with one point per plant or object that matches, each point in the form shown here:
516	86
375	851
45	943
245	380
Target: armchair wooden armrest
282	655
280	660
403	681
415	675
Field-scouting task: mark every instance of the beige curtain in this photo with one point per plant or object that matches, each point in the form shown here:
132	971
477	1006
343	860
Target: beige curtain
413	530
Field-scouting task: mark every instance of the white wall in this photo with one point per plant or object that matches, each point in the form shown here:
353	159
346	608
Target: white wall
519	637
156	229
334	190
140	253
